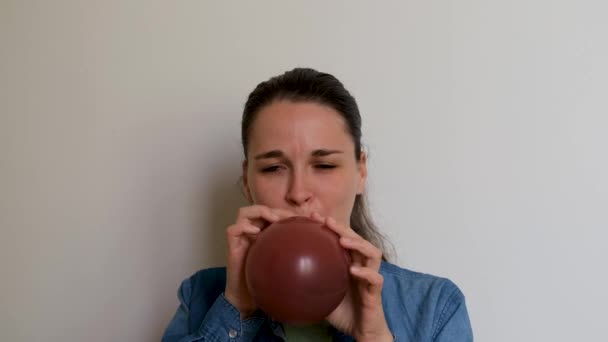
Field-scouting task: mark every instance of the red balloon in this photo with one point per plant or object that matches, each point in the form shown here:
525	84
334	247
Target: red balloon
296	271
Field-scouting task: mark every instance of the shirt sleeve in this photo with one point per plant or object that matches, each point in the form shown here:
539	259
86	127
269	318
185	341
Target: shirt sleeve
453	324
222	322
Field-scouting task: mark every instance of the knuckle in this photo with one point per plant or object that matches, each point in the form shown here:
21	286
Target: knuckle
377	253
267	211
232	229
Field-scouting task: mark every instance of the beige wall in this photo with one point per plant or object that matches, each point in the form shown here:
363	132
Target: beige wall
119	151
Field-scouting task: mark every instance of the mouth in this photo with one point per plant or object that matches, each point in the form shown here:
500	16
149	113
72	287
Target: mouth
305	213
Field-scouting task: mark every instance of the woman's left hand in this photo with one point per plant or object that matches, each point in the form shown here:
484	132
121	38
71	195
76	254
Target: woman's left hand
360	314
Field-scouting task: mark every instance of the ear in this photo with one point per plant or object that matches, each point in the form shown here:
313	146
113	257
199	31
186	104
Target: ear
245	183
362	168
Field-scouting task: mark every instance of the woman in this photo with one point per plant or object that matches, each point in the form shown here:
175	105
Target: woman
301	135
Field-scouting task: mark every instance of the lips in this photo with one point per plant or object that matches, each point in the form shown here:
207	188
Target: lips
306	212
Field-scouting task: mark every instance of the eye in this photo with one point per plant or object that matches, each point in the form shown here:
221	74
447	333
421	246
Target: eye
271	169
325	166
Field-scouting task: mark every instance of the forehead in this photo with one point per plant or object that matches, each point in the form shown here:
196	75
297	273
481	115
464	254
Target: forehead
298	126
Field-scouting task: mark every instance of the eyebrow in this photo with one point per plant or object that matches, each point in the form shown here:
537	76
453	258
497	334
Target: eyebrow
280	154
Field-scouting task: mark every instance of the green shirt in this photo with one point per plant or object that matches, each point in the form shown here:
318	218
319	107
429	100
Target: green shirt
315	332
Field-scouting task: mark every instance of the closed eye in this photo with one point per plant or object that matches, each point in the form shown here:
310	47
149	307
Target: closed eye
271	169
276	168
325	166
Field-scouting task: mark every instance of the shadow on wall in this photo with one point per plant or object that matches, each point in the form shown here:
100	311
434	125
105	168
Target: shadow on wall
222	202
215	207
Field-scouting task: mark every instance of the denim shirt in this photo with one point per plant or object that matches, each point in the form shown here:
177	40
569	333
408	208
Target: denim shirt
417	307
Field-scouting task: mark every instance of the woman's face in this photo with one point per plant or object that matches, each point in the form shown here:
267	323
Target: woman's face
301	157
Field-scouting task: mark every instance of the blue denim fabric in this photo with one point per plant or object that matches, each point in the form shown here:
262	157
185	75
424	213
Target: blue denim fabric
417	307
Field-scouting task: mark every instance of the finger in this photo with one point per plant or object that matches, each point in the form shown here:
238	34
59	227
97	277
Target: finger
317	217
340	229
239	229
345	231
357	259
373	280
372	255
283	213
240	235
250	229
280	214
258	215
239	238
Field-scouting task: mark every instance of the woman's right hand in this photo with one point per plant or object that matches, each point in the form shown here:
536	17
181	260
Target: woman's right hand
239	236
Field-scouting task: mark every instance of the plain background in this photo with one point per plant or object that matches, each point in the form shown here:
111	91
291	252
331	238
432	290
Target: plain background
485	122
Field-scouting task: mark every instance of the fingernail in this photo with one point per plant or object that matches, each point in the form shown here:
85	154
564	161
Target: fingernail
355	269
346	240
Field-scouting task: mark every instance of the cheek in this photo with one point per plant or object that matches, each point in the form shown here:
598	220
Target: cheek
339	202
347	196
265	191
342	191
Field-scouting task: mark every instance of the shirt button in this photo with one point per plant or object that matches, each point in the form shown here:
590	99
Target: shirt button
232	333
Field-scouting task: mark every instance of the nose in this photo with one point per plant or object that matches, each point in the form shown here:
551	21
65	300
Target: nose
299	192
